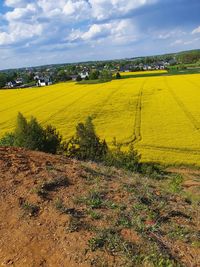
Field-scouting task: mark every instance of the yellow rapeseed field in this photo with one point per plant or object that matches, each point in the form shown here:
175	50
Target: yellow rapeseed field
160	115
143	72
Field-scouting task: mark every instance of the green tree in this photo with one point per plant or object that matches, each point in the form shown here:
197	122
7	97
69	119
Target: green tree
118	76
105	75
63	76
33	136
78	79
2	80
94	75
21	130
29	134
7	140
52	140
86	145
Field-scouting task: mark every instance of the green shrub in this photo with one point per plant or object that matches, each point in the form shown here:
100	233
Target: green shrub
33	136
105	75
86	145
52	140
78	79
7	140
28	134
118	76
176	183
152	170
128	160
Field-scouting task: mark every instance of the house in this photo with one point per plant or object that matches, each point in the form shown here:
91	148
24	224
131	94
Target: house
44	81
145	67
10	84
84	74
19	81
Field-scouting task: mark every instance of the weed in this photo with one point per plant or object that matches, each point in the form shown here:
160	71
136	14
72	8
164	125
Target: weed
59	205
180	232
97	242
111	205
196	244
29	209
95	215
74	224
94	200
124	220
176	184
111	240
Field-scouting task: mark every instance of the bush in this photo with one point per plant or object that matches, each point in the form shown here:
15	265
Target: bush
7	140
29	134
33	136
52	140
86	145
78	79
118	76
128	160
152	170
94	75
105	76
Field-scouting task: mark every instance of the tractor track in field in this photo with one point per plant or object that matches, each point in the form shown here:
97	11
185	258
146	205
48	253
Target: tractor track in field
181	105
137	136
66	107
171	149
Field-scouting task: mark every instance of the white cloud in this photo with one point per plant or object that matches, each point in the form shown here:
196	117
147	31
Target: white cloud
186	41
22	12
177	42
16	3
29	18
97	31
20	31
80	7
197	30
175	33
164	36
118	32
102	9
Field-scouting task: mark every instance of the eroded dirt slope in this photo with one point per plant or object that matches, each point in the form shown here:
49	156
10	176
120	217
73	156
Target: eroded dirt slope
60	212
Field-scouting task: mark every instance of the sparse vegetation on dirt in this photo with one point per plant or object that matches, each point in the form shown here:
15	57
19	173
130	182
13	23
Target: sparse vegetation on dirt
95	215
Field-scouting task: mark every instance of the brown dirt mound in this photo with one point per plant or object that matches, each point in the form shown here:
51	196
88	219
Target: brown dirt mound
61	212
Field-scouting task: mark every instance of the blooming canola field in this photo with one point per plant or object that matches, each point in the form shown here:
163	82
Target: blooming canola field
159	115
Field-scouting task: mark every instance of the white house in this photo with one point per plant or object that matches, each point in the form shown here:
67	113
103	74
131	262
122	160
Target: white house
44	81
19	81
11	84
84	74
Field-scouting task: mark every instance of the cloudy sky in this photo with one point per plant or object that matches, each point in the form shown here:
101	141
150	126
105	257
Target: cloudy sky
37	32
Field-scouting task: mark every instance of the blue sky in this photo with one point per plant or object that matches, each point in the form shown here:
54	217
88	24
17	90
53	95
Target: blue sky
37	32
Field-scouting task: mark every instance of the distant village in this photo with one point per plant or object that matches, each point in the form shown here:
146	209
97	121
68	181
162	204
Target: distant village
97	70
44	76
